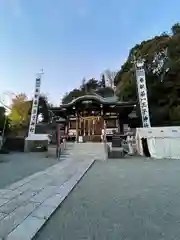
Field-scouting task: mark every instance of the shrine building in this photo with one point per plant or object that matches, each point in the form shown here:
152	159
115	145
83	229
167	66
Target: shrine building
88	115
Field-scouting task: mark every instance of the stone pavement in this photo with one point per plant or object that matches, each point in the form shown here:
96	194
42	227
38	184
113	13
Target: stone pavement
121	199
19	165
27	204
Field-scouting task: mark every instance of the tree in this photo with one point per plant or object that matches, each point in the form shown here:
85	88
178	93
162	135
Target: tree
4	121
87	87
2	111
44	97
92	84
105	92
83	85
75	93
175	29
19	109
110	75
162	64
103	81
43	108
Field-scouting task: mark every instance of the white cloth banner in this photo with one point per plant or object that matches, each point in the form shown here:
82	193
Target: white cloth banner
142	94
34	111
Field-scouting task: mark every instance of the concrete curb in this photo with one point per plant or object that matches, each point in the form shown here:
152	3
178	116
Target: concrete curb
28	229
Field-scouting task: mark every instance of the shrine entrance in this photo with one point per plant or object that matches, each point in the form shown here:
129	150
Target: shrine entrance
88	116
91	127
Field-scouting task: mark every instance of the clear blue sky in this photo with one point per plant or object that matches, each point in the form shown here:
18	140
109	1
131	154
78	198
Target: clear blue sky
72	39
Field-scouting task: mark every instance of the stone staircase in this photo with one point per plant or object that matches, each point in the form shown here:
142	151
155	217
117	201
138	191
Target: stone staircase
91	150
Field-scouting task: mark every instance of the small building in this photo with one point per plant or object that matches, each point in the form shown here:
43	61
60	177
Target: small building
88	115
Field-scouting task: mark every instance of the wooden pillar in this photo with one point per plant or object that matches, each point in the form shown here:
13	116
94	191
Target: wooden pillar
103	125
77	127
84	123
117	124
80	126
69	123
121	125
89	133
93	122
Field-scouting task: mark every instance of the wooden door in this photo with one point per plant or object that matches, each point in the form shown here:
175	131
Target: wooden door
98	126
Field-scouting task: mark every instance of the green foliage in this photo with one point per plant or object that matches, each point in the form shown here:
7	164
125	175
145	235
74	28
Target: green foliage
92	84
44	106
163	82
75	93
174	113
162	65
88	87
175	29
2	111
19	109
103	81
105	92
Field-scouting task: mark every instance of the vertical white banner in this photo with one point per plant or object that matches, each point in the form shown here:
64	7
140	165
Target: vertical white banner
142	94
34	111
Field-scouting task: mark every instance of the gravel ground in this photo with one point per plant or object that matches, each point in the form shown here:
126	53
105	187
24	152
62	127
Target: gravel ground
16	166
126	199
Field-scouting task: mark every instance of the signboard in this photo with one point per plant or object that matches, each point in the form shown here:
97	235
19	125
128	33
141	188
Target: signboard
87	102
34	111
142	94
90	118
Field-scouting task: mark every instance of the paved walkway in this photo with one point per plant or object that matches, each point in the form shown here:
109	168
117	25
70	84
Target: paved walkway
121	199
20	165
27	204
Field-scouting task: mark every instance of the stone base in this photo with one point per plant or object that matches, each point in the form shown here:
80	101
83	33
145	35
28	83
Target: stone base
80	139
103	149
117	153
36	143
